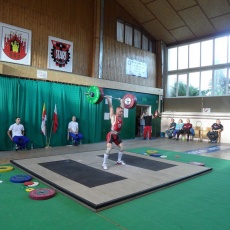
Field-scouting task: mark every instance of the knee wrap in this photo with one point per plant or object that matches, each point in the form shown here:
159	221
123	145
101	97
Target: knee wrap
108	150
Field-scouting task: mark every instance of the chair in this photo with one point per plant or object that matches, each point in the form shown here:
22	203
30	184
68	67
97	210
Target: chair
204	132
197	130
219	137
208	129
70	140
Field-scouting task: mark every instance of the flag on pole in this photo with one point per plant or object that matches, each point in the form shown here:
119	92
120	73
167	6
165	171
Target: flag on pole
55	120
43	125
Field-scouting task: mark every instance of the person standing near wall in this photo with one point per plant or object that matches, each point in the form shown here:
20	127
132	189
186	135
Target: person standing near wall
147	116
142	126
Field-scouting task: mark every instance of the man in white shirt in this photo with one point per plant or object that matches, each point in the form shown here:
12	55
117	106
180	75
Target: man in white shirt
73	131
17	136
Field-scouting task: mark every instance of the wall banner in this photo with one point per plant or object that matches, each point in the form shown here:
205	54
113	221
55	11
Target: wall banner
15	44
60	54
136	68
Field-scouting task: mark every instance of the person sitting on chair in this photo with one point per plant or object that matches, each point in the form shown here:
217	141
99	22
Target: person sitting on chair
172	126
73	131
18	137
178	130
214	133
187	128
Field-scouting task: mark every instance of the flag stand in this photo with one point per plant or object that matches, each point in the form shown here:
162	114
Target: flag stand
48	146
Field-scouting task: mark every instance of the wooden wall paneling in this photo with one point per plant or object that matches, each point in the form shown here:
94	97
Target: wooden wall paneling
74	21
70	20
115	53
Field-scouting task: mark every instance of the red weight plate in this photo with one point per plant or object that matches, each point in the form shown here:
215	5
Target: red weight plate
130	101
42	194
101	98
28	183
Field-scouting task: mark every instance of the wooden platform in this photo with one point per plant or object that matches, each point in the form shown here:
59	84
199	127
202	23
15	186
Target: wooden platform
134	180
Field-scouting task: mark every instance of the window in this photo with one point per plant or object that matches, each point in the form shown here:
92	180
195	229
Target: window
132	36
128	35
220	82
172	59
206	53
199	69
150	46
206	83
137	38
194	55
228	83
183	57
221	50
182	85
194	84
172	86
120	31
145	43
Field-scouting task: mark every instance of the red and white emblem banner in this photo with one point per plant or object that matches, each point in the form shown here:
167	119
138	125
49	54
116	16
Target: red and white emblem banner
60	54
15	44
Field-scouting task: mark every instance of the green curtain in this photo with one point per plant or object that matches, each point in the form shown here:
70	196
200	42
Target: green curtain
8	109
25	98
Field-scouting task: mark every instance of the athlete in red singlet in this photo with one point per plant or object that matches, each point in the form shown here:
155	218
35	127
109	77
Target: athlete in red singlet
112	136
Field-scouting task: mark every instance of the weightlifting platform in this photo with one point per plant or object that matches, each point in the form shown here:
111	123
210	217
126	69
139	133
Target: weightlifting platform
80	176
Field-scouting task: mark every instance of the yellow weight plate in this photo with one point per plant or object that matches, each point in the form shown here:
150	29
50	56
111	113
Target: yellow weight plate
29	189
6	168
150	151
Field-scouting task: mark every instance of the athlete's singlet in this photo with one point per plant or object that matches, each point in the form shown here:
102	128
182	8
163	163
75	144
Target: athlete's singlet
116	123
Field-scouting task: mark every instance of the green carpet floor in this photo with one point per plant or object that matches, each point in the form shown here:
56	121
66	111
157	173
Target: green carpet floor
200	203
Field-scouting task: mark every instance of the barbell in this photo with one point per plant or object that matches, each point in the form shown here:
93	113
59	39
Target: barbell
95	95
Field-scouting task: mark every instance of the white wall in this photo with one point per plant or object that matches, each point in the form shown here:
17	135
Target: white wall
206	119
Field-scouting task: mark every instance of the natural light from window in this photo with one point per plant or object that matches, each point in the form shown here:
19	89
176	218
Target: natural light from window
200	68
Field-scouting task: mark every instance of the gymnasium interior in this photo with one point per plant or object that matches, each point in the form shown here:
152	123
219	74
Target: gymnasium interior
60	59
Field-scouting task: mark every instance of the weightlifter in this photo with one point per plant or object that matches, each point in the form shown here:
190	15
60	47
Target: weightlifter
112	136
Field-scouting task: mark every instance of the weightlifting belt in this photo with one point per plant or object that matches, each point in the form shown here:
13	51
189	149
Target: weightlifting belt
114	132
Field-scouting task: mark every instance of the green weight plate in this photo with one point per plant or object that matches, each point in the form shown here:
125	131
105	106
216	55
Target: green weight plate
93	95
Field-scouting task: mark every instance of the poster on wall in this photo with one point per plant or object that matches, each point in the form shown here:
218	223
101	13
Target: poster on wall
206	110
60	54
15	44
136	68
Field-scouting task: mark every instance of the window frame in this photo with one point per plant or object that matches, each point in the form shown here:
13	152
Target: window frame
199	69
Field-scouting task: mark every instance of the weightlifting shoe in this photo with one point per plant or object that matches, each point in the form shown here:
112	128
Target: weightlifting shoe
121	163
104	166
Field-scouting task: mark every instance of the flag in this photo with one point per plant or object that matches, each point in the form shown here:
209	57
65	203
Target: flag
55	120
43	125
